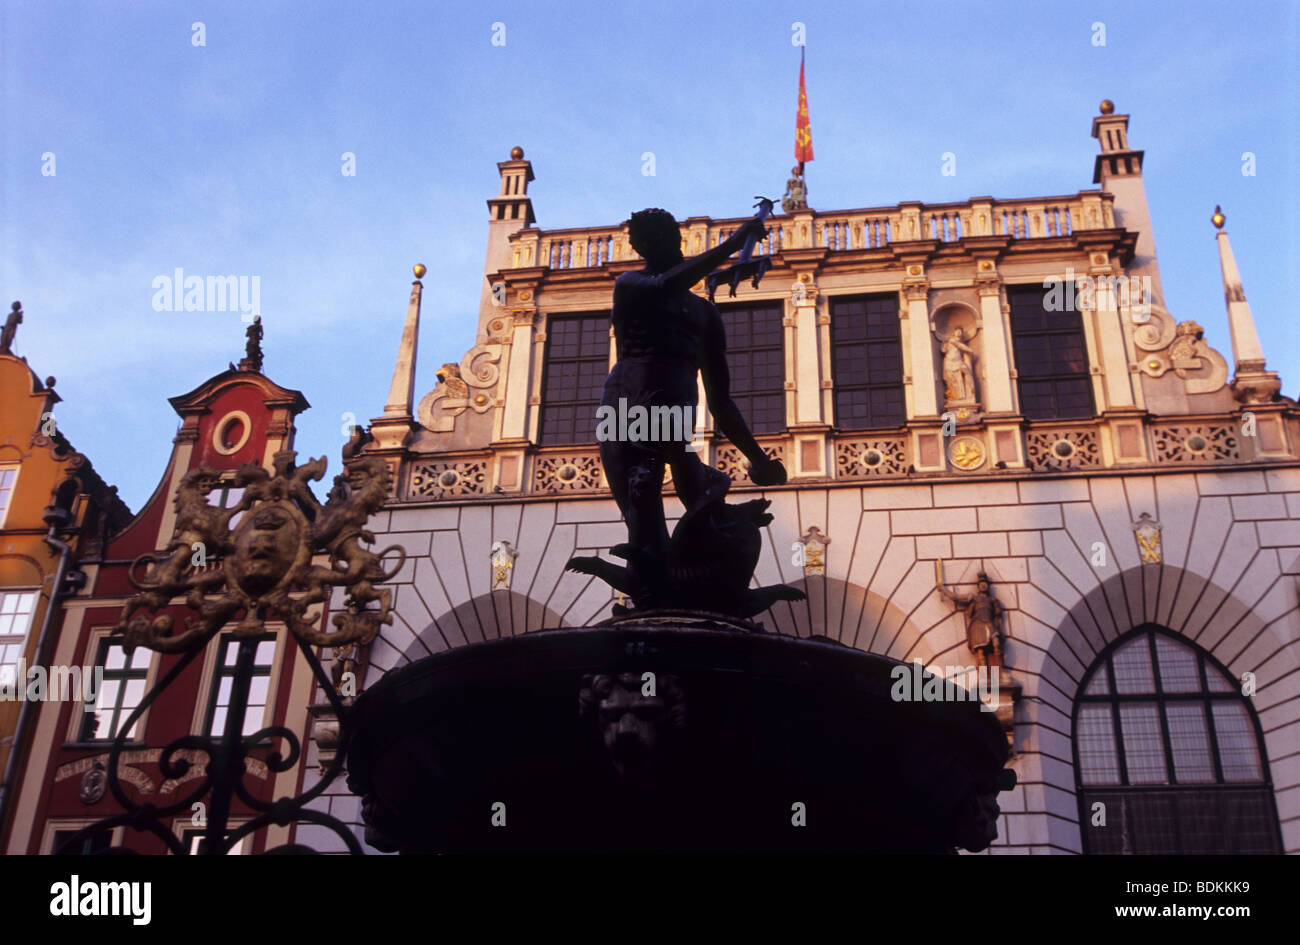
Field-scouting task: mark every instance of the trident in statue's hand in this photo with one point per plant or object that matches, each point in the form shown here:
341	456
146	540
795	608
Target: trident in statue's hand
744	265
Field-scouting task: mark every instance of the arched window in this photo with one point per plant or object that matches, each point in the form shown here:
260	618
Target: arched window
1167	744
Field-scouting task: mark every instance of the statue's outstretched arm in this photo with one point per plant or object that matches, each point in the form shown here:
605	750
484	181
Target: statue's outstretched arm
959	599
690	271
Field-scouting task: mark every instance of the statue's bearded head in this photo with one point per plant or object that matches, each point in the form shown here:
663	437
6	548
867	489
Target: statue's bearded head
655	235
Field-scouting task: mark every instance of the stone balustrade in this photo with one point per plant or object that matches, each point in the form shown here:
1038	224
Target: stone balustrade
837	231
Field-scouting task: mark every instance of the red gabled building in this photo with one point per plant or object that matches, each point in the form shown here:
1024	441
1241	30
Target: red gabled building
239	416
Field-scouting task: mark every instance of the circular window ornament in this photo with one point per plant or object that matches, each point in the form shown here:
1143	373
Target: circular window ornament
967	453
231	433
872	458
448	478
1196	443
1063	449
567	472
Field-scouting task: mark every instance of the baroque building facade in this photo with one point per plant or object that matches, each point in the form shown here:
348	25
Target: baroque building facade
237	417
55	511
992	387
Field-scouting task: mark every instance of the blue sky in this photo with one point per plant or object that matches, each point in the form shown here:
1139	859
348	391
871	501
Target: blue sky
226	159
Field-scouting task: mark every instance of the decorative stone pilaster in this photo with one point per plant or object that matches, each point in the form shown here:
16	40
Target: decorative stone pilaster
802	230
807	377
1117	382
920	344
996	353
518	357
981	217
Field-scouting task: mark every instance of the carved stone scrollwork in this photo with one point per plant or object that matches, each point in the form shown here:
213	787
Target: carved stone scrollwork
1200	443
1062	449
446	479
565	473
871	457
1190	356
1156	333
470	385
733	463
1181	348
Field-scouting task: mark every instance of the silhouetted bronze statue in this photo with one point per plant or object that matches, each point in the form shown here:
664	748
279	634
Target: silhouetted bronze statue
664	335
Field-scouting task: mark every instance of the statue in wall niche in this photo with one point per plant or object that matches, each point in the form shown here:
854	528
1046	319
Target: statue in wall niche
664	337
983	618
958	377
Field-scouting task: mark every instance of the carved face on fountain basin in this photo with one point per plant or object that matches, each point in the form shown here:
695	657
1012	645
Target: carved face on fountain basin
633	722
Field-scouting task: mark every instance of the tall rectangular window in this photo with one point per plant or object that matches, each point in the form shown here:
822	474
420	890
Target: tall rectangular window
16	608
1051	357
576	364
8	476
867	362
756	357
223	681
121	692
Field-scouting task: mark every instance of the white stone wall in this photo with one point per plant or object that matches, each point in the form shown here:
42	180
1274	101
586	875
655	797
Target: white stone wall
1227	581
